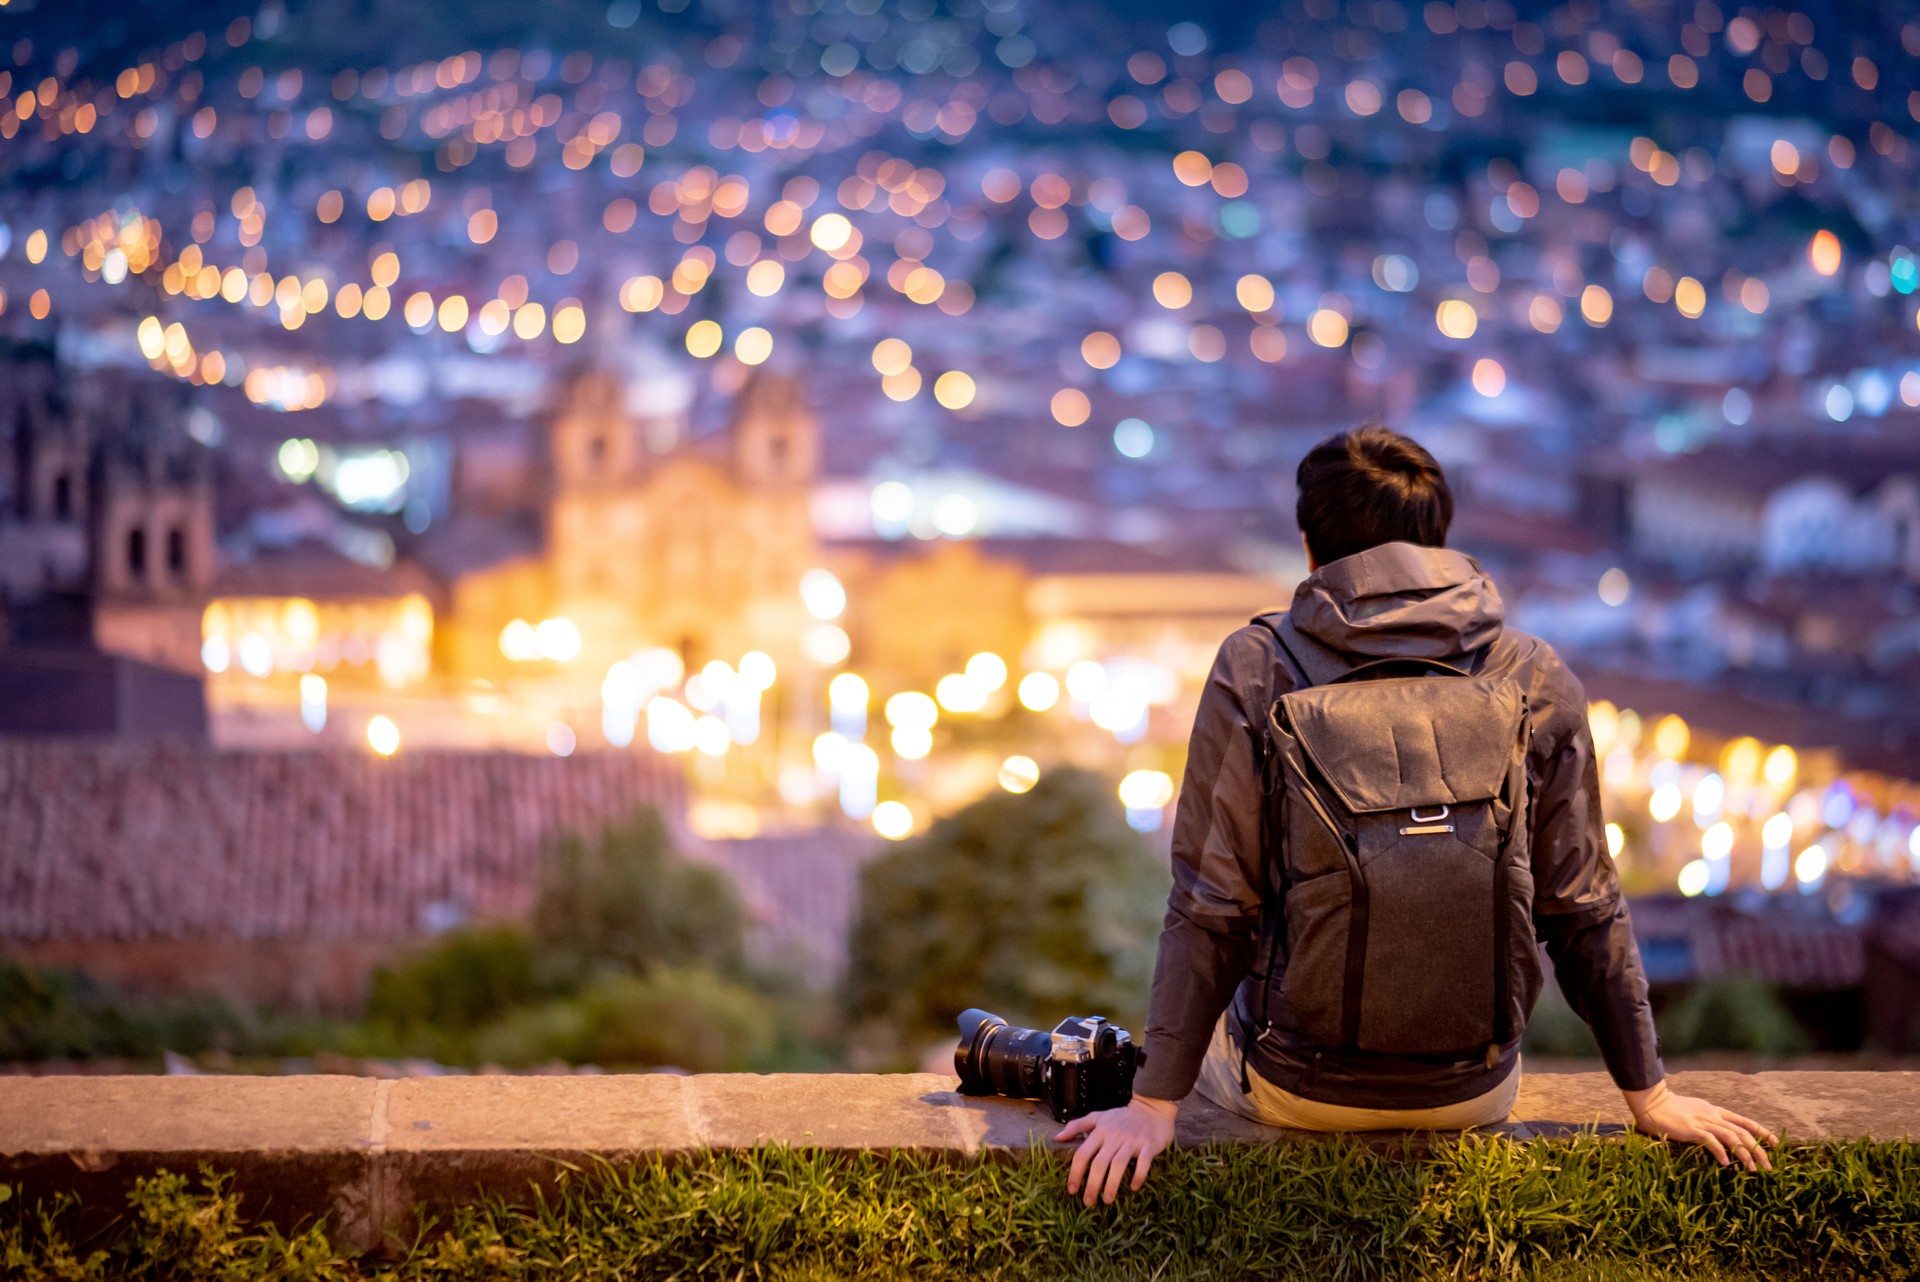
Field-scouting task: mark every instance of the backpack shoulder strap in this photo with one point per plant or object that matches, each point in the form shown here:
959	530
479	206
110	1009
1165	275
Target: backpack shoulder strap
1312	664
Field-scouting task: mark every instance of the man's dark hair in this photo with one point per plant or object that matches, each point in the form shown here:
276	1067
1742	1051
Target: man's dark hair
1370	486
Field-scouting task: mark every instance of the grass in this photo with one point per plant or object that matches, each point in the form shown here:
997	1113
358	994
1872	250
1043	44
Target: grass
1581	1210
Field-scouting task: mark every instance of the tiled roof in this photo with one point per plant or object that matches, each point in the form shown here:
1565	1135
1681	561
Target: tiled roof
800	893
157	841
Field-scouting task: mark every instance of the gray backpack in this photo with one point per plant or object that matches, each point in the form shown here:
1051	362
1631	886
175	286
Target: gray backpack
1397	830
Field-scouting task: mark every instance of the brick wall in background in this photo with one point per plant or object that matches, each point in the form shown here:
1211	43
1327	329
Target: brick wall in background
166	841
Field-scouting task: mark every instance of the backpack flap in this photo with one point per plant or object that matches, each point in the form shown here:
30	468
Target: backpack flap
1409	742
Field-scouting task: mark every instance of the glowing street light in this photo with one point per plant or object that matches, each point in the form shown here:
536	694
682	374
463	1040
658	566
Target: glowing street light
1019	774
383	736
1039	691
892	820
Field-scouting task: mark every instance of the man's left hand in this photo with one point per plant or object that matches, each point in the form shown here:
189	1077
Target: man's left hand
1137	1132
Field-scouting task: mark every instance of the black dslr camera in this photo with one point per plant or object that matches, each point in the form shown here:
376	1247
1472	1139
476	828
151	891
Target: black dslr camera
1084	1065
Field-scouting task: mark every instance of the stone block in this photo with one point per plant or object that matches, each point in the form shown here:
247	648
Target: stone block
1814	1106
299	1149
448	1140
827	1110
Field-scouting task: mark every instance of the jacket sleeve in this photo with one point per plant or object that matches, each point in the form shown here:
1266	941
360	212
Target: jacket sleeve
1219	892
1579	911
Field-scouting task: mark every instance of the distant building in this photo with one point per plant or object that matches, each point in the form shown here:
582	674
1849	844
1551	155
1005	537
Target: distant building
106	553
103	493
1781	512
698	548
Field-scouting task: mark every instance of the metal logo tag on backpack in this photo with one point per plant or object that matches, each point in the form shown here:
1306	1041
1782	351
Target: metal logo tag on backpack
1425	824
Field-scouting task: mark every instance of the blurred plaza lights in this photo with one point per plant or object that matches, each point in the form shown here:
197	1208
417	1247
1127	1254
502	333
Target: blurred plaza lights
1039	691
859	772
1019	774
892	820
1146	795
826	644
313	701
383	736
823	595
847	699
726	699
556	640
1810	867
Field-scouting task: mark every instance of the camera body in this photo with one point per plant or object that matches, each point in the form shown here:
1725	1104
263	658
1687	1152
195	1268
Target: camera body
1084	1065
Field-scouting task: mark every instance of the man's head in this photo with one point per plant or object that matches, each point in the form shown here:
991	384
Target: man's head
1366	487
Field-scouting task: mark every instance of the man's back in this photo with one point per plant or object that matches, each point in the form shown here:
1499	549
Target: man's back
1373	509
1397	600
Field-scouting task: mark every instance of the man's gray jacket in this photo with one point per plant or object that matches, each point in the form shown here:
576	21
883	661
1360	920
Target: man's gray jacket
1396	600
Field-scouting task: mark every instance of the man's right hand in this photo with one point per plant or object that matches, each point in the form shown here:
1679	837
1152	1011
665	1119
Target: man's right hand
1136	1132
1723	1132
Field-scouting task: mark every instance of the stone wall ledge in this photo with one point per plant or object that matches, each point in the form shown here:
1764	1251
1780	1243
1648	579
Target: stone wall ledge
365	1153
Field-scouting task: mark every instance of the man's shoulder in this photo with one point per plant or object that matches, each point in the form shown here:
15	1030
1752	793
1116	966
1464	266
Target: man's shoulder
1248	656
1555	697
1254	639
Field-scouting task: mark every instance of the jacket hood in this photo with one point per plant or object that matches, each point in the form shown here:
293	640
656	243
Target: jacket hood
1400	600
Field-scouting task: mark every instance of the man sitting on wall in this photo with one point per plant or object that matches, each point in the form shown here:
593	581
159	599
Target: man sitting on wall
1389	798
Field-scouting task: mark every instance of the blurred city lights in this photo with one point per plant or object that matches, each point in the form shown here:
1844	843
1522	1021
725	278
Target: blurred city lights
1039	691
892	820
987	671
1133	437
557	639
911	743
313	701
1811	865
859	781
956	693
912	710
1694	877
823	595
711	736
1615	587
1019	774
670	725
855	197
827	644
830	752
383	736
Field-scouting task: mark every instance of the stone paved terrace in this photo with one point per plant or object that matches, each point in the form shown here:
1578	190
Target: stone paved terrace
366	1152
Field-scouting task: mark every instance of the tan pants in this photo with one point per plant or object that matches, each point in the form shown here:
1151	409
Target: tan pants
1268	1104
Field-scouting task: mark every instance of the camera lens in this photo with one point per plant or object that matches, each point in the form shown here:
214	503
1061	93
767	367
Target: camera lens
994	1058
975	1027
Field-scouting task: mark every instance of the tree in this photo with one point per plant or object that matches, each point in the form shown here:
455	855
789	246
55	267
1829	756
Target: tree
630	903
1035	906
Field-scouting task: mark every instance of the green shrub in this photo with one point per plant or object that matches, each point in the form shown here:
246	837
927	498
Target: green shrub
531	1035
465	979
1036	906
686	1018
691	1019
61	1014
1733	1013
629	902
